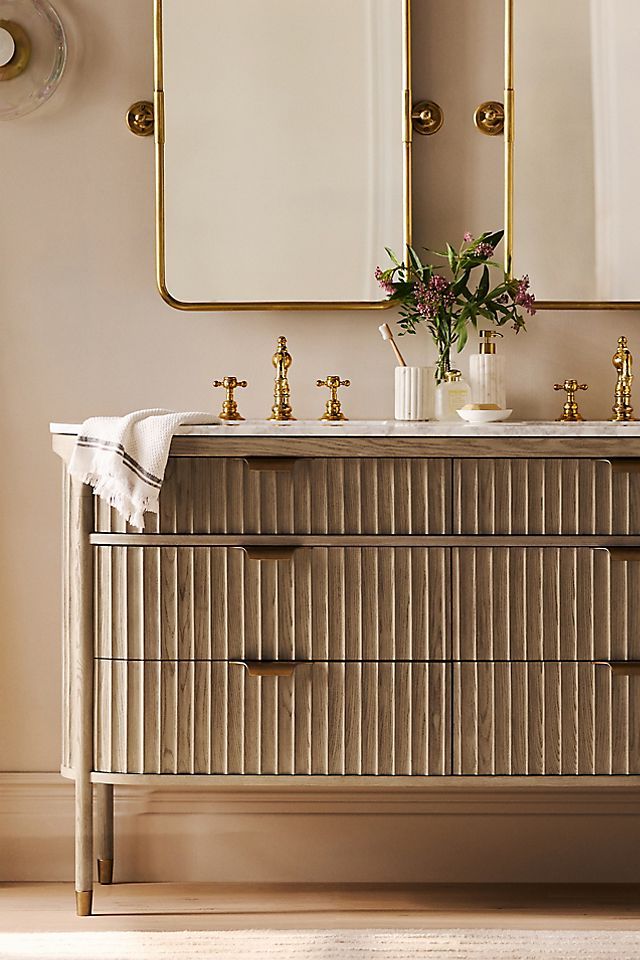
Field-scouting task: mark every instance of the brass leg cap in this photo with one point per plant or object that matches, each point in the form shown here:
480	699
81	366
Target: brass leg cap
84	900
105	871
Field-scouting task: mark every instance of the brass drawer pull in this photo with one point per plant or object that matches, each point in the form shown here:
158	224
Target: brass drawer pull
271	464
623	554
621	668
270	553
266	668
622	466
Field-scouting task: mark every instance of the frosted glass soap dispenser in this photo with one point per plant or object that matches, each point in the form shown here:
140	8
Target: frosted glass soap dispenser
487	372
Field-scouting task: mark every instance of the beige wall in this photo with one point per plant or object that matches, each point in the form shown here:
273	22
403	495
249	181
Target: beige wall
84	332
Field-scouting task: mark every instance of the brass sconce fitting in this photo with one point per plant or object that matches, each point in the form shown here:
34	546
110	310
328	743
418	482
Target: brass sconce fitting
623	362
489	118
427	117
229	410
282	360
333	410
570	412
141	118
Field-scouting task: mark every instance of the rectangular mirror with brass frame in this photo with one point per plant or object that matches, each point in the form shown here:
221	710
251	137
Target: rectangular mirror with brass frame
283	151
572	145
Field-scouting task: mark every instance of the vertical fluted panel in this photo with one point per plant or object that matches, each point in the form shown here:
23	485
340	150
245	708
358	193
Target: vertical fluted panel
544	603
335	496
328	719
326	603
544	719
544	496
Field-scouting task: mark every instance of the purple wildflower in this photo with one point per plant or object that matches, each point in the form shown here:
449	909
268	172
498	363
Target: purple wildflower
433	297
383	279
523	298
467	238
484	250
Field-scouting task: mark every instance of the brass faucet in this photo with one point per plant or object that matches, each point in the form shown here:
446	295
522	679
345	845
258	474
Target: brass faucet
281	409
230	405
333	409
623	361
570	412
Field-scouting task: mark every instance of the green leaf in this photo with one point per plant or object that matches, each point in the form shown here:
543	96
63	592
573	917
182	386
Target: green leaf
483	286
393	257
451	257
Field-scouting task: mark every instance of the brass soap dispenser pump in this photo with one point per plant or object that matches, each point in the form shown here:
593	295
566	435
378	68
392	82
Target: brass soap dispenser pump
487	372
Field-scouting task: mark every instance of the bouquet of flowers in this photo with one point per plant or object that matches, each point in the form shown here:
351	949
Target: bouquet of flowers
448	304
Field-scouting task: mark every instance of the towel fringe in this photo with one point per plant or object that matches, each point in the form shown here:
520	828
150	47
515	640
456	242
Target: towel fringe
108	488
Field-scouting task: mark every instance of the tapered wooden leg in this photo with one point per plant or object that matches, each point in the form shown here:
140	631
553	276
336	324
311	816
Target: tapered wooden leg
84	846
80	587
104	831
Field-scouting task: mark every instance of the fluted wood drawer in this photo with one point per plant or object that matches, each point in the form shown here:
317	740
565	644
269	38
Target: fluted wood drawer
313	496
328	718
325	603
546	496
544	718
548	603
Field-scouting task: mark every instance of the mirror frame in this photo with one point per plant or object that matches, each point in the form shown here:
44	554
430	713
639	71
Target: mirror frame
509	171
159	137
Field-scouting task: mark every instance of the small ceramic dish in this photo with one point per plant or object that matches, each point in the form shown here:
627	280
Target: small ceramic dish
483	416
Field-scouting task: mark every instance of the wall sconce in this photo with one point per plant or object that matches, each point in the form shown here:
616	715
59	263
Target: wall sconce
33	54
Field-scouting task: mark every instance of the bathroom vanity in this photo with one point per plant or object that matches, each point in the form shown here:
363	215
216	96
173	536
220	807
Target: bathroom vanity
370	600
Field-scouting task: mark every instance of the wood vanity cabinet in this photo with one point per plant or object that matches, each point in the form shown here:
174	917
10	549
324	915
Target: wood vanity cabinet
354	607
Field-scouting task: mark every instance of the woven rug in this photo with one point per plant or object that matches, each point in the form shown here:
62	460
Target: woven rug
325	945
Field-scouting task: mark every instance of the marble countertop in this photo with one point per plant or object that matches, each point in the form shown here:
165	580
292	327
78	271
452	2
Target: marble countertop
397	429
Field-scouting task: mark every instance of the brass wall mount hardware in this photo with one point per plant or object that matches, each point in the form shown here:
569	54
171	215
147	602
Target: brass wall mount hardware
141	118
229	410
333	409
623	362
427	117
16	48
570	411
282	360
489	118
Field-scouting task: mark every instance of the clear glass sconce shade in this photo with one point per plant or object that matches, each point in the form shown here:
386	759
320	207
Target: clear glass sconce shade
33	54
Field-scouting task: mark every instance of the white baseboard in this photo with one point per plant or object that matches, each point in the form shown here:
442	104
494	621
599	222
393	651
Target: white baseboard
549	830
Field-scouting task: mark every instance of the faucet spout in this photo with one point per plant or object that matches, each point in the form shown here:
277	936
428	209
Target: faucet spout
282	360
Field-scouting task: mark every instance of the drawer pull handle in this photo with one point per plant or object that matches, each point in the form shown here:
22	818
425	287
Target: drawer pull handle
271	464
270	553
623	554
623	466
265	668
621	668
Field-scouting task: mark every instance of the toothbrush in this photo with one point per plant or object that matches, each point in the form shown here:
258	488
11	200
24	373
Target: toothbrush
386	334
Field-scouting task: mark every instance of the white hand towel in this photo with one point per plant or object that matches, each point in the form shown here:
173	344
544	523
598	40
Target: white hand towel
124	458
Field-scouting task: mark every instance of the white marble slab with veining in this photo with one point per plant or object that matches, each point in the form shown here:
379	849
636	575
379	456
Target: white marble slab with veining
395	428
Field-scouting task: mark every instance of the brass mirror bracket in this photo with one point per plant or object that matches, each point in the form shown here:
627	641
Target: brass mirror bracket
489	118
427	117
141	118
22	53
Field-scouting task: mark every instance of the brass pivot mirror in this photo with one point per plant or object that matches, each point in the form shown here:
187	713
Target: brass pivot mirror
283	151
140	118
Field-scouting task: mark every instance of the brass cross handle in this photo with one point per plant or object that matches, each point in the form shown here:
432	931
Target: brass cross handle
333	410
229	410
570	412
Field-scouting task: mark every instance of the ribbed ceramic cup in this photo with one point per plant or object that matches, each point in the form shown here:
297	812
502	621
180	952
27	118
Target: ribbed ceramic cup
415	393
